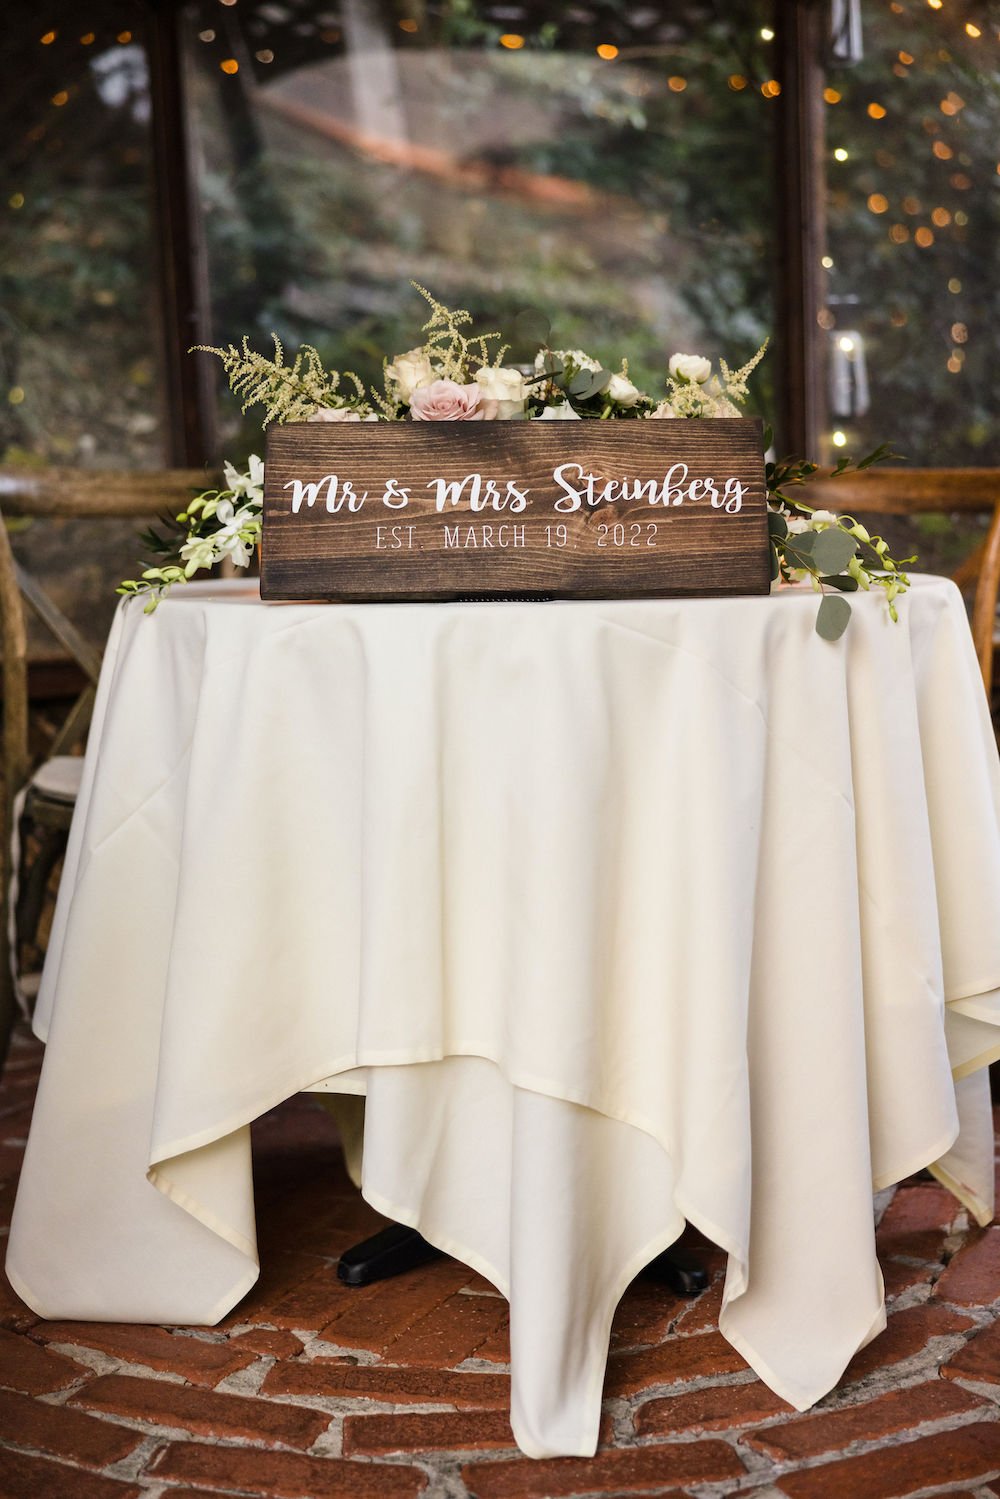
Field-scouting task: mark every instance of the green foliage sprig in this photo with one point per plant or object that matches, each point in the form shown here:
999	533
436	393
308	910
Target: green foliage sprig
288	392
830	551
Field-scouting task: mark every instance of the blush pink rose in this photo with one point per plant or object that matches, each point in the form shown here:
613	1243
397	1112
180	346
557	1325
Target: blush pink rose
446	401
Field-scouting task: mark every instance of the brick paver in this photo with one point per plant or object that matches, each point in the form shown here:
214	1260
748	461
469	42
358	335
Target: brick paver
311	1389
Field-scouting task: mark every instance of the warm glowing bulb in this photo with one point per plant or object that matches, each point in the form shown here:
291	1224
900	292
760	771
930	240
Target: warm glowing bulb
229	65
608	51
48	38
954	286
878	202
876	111
677	84
972	30
840	439
88	39
409	25
511	41
827	263
832	95
840	154
60	99
847	344
736	82
766	34
16	200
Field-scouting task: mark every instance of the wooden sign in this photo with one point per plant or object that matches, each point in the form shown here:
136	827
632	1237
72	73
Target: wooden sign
526	509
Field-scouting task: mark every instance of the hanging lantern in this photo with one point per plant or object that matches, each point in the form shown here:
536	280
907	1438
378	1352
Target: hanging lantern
849	395
846	42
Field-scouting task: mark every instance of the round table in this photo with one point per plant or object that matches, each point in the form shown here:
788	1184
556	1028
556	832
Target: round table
619	914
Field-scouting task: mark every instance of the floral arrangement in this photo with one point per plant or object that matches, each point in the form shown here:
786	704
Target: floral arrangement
457	376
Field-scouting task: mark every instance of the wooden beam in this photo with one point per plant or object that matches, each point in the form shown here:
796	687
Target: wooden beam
183	286
100	492
904	491
800	223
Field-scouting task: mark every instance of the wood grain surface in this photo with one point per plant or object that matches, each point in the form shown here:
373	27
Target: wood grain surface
534	510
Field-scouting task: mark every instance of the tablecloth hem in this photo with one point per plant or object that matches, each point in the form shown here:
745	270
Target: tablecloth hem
222	1308
801	1398
921	1161
981	1211
202	1214
984	1059
164	1151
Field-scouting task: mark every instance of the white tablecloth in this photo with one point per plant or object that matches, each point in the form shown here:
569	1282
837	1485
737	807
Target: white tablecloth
620	914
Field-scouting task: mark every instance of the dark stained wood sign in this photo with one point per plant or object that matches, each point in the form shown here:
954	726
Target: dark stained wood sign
588	509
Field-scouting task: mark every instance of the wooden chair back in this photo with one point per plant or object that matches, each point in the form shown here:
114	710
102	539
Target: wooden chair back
906	491
64	494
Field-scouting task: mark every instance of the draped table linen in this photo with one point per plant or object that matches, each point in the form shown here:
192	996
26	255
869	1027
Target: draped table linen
619	914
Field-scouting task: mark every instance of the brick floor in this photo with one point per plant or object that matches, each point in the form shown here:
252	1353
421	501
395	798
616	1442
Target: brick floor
311	1390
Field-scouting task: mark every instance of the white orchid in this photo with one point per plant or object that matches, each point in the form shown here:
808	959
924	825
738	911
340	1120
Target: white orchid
250	483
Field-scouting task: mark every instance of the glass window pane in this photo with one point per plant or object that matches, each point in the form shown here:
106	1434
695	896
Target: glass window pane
609	164
78	343
913	243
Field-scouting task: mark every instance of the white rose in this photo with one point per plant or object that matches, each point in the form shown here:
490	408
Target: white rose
408	372
797	525
506	387
663	411
561	413
691	367
339	414
622	391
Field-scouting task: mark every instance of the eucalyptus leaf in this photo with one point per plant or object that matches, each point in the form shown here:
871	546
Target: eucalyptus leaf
843	581
775	569
833	616
777	526
531	326
833	550
550	364
800	546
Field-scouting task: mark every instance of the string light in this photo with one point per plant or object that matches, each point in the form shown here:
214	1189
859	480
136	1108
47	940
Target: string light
16	200
840	154
229	65
899	234
608	51
827	263
832	96
876	111
88	39
677	84
511	41
878	202
924	237
771	89
941	217
766	34
124	37
954	286
959	333
265	55
206	36
60	99
941	151
736	82
48	38
960	181
840	439
906	57
955	362
961	219
935	4
972	30
846	344
16	395
408	24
